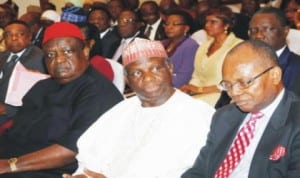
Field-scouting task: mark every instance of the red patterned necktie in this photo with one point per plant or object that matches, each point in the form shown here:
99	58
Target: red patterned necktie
238	147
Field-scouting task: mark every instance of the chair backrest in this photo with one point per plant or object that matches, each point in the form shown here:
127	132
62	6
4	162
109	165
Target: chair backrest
118	70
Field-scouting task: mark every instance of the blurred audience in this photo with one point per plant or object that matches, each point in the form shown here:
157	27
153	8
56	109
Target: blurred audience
292	14
209	56
115	7
48	6
73	14
200	36
153	27
6	15
107	39
48	17
129	25
270	25
98	62
248	8
179	46
17	38
33	21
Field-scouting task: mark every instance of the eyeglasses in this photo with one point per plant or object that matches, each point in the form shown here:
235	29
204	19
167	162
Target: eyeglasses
126	21
264	30
227	86
9	35
289	10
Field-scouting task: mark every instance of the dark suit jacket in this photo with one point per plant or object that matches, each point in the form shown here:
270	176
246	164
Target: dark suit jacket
160	33
139	35
106	46
290	65
37	40
283	129
32	58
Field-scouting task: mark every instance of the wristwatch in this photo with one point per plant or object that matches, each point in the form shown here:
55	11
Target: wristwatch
200	90
12	164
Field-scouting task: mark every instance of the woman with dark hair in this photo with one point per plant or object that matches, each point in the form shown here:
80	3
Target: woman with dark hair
207	74
180	47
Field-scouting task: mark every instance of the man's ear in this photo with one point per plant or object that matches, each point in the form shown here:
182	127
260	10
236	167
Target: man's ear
125	76
276	74
86	52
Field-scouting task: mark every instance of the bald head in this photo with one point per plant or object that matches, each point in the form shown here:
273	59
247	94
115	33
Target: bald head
251	75
265	55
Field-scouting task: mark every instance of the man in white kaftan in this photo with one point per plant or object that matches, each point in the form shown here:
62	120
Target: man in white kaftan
131	141
156	134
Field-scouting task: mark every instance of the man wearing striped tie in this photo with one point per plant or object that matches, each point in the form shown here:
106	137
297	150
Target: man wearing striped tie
258	135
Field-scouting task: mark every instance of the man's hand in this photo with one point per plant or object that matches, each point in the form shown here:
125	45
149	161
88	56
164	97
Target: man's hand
87	174
4	166
2	109
190	89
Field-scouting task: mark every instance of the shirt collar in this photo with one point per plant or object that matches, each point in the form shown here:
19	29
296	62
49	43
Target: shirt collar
102	34
18	54
128	40
155	25
271	107
279	52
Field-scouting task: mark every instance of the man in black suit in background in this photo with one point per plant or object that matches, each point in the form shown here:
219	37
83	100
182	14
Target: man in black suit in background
154	28
270	147
17	36
108	39
129	26
270	26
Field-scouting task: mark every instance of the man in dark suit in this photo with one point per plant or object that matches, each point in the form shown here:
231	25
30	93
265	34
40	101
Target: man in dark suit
17	38
270	148
129	28
153	28
270	25
108	39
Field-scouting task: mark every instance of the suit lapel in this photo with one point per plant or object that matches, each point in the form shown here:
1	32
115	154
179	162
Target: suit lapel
24	57
283	58
4	59
269	140
160	32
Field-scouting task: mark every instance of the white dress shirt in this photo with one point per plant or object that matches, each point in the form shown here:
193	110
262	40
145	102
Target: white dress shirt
154	29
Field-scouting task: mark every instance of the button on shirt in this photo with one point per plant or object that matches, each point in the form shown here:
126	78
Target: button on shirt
243	168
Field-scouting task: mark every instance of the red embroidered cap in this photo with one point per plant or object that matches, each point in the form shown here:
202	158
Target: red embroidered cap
62	29
141	49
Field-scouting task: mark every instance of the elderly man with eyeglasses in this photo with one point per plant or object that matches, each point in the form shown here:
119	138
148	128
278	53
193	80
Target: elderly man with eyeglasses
258	135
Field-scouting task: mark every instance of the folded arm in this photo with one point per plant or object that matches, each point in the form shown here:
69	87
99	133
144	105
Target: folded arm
47	158
87	173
